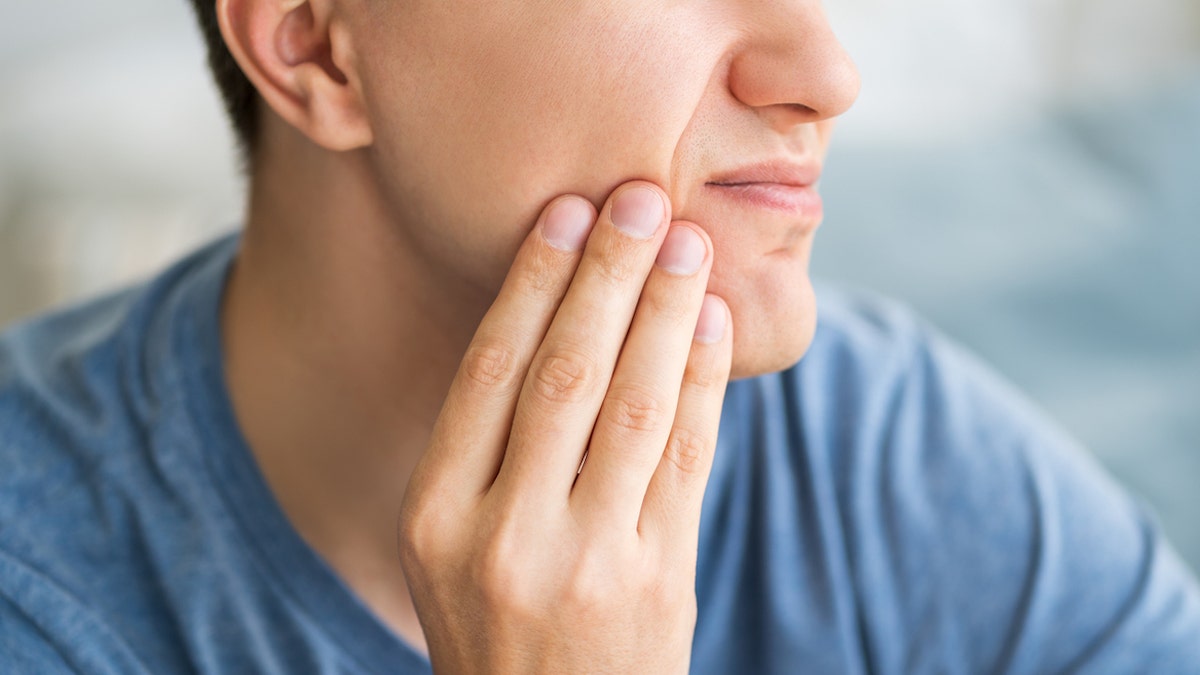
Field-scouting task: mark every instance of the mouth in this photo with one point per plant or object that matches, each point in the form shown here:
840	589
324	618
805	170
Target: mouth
786	185
797	200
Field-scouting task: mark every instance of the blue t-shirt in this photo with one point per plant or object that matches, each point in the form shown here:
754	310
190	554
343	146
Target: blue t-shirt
885	506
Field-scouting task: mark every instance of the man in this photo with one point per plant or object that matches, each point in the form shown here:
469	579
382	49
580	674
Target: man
507	269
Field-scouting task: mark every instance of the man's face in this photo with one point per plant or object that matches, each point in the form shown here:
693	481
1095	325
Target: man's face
484	111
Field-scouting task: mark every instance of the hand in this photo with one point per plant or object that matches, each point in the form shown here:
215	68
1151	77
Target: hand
517	559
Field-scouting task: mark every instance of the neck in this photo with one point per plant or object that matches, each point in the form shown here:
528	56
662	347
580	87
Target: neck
340	347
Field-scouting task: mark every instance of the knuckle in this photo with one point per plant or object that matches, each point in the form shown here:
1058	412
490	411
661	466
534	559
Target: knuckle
543	275
670	303
501	578
419	535
701	370
591	586
490	365
564	376
585	592
618	261
632	408
410	542
686	451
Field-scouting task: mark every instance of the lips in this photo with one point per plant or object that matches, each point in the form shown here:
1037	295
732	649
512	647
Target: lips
778	172
777	185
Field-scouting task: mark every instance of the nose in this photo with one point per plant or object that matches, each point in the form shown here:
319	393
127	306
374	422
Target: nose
791	64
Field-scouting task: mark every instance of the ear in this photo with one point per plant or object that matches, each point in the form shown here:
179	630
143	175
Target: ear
299	58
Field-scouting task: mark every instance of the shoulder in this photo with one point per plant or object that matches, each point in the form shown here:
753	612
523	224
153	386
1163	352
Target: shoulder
967	510
63	421
99	466
89	390
882	381
60	400
83	387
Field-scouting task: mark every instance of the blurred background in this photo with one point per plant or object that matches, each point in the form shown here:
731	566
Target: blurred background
1025	173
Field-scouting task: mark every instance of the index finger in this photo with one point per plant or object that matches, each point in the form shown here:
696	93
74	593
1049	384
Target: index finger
471	431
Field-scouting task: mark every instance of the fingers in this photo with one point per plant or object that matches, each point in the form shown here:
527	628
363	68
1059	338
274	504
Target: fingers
671	510
469	437
640	407
570	373
606	349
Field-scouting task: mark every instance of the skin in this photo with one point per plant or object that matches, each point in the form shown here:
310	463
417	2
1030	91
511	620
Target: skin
409	157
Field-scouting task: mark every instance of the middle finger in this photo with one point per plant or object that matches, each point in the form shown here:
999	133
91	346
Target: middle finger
570	373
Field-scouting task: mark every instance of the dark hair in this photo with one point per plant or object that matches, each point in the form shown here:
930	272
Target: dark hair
241	100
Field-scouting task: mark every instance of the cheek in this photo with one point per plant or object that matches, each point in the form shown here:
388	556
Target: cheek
581	113
480	140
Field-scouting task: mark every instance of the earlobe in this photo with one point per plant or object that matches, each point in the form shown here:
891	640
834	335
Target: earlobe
286	50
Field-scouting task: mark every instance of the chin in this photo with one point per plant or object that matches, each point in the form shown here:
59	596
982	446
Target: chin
771	339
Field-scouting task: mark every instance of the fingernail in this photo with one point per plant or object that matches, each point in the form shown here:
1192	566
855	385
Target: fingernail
638	212
568	224
682	252
711	326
